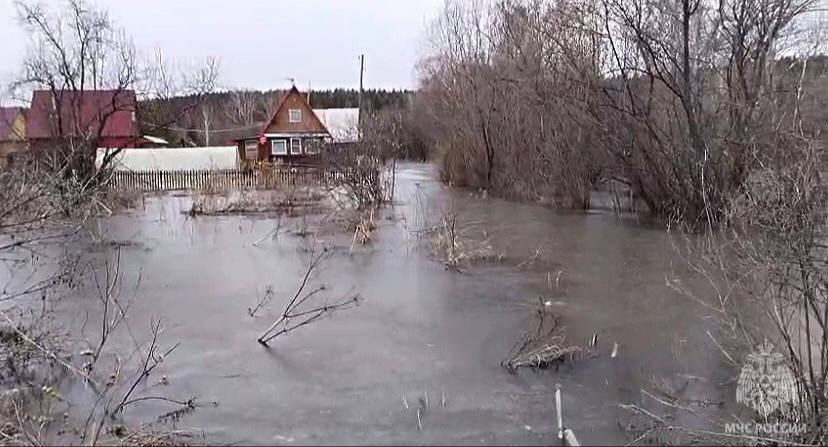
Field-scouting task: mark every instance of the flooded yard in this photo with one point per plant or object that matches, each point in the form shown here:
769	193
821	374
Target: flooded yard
421	332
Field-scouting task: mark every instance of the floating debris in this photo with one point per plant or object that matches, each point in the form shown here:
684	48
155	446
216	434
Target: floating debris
543	347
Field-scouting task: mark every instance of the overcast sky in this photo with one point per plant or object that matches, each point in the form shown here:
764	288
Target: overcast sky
262	42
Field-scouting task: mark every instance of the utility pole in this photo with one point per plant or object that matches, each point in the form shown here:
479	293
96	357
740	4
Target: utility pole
361	72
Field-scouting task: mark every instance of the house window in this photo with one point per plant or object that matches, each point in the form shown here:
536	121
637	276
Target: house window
295	146
312	147
278	147
295	115
251	150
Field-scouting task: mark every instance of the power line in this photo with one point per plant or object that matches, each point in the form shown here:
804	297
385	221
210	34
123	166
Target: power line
182	129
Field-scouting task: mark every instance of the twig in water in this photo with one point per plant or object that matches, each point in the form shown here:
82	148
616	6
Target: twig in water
293	317
151	361
530	259
268	295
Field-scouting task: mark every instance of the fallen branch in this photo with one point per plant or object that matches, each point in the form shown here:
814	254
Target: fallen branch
542	348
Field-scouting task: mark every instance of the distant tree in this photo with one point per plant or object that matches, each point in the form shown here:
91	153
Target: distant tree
243	105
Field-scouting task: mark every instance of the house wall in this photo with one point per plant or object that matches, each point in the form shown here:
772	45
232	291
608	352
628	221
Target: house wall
16	143
10	151
264	151
46	145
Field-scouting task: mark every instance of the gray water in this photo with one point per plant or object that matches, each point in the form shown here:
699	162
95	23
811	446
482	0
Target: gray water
419	329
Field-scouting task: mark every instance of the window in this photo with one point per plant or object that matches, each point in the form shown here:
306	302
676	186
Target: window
295	115
278	147
251	150
312	147
295	146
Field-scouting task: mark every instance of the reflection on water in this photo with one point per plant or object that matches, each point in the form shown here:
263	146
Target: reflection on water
419	329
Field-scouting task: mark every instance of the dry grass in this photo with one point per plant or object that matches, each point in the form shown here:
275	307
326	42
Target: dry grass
450	243
362	224
291	201
152	437
544	347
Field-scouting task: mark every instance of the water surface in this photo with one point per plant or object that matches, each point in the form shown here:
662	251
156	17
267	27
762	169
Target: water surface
420	328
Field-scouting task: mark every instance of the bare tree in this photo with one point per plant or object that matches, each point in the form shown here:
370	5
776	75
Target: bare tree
243	107
170	92
541	100
81	50
503	87
43	206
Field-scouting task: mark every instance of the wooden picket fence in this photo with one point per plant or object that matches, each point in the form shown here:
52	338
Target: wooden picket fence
217	180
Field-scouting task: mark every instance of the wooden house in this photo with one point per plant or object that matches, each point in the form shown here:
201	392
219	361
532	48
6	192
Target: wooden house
296	133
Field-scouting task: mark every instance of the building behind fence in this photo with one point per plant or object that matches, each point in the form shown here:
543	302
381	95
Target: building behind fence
206	179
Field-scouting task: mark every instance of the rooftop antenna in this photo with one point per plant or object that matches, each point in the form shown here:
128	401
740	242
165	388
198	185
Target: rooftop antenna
292	81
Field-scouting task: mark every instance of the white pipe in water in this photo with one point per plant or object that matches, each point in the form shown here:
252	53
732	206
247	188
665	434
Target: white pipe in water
570	439
558	410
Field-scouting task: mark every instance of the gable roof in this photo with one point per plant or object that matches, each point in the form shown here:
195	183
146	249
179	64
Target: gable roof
8	116
109	113
293	91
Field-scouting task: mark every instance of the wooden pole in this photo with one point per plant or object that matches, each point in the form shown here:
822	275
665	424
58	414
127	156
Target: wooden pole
361	72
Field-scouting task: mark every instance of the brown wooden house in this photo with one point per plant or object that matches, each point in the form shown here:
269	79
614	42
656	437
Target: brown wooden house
294	134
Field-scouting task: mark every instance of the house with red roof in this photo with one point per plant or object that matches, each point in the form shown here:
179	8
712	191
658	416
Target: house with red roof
12	134
104	118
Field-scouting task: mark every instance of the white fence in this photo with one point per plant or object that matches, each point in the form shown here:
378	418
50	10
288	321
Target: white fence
222	179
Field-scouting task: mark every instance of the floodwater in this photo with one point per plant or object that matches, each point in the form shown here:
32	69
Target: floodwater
420	329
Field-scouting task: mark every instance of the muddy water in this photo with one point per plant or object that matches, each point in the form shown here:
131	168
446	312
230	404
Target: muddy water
420	329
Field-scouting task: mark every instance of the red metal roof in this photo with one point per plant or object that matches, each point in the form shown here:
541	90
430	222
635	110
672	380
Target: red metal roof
7	117
70	114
